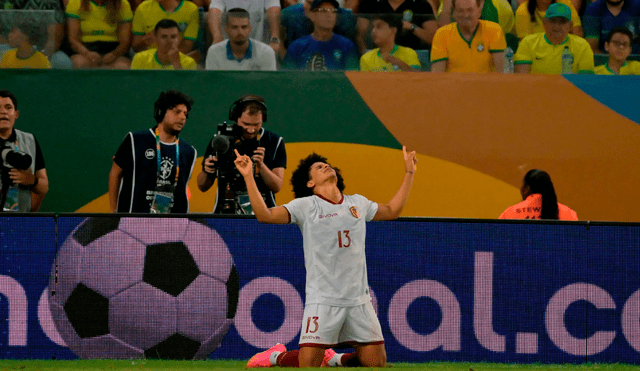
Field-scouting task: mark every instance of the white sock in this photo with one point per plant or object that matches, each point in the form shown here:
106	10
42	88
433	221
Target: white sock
273	357
335	361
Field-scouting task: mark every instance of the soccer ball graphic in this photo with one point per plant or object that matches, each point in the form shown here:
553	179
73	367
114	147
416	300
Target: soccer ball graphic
143	287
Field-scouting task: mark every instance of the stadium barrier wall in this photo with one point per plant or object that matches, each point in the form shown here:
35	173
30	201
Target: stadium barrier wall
475	135
444	289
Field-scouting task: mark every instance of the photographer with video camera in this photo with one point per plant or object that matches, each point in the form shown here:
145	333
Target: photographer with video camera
24	181
246	134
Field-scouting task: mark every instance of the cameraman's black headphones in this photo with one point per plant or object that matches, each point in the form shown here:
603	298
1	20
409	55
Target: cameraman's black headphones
159	108
237	107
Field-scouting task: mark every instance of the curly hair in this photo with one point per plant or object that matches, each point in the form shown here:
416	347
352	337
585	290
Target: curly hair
300	175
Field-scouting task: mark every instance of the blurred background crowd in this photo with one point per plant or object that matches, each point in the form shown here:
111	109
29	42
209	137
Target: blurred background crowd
471	36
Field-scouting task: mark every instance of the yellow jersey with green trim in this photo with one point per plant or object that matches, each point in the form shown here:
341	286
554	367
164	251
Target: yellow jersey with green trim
373	61
525	27
36	60
628	68
546	58
150	12
468	56
498	11
148	60
94	23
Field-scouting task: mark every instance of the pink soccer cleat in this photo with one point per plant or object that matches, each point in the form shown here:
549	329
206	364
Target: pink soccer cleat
328	354
262	359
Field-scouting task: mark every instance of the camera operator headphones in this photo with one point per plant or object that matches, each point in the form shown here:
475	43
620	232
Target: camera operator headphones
237	107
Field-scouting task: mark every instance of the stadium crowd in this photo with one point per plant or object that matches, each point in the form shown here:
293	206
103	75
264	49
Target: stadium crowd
472	36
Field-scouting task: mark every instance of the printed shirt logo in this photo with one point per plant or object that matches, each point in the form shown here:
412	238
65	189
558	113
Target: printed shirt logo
182	26
337	54
165	168
407	15
480	47
150	154
354	212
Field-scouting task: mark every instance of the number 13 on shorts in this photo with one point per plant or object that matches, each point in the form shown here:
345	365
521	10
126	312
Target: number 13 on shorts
312	325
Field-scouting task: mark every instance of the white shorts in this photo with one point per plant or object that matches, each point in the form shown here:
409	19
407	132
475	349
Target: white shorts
327	326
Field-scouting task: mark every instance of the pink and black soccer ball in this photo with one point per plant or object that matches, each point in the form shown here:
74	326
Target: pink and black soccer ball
126	288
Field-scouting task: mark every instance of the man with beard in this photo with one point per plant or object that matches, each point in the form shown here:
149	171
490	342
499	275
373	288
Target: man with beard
602	16
166	56
152	168
239	52
267	151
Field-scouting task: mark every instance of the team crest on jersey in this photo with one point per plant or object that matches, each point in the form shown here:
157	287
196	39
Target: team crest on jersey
407	15
149	154
480	47
165	168
354	212
182	26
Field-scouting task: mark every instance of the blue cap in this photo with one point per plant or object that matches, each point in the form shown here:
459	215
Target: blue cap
317	3
558	10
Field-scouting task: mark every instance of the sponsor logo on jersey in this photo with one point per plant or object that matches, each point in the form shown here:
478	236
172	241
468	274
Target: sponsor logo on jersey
149	153
354	212
327	216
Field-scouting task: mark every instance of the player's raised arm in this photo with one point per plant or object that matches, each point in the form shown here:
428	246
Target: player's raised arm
274	215
392	210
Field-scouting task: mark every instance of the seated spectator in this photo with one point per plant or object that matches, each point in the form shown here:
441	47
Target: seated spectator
618	45
388	56
602	16
296	23
530	15
322	50
498	11
469	45
239	52
166	56
418	22
25	55
260	30
47	13
540	200
150	12
541	53
99	32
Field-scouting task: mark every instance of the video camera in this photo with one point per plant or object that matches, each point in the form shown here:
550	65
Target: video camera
229	138
12	158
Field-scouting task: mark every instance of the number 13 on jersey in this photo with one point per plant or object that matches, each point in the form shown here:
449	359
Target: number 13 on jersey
343	239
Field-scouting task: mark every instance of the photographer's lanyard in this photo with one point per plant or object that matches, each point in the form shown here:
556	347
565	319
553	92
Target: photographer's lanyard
11	202
159	156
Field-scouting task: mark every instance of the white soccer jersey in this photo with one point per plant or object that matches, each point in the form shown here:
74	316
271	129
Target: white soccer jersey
257	15
333	238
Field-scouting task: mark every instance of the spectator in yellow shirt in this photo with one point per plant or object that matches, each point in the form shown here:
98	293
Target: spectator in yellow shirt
388	56
530	15
25	55
541	53
618	45
469	45
150	12
167	56
99	32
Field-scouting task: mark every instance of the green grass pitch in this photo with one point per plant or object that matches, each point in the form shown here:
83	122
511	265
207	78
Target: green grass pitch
218	365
